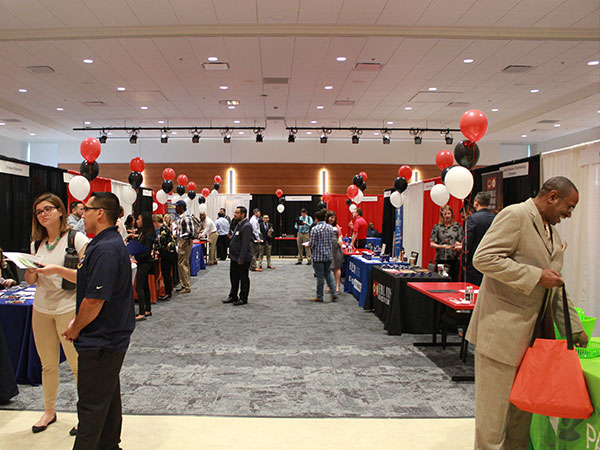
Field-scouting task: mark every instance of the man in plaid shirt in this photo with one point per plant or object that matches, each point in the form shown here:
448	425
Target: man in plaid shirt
321	240
185	242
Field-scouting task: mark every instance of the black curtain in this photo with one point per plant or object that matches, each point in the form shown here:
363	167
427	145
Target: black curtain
17	194
283	223
515	189
389	221
143	202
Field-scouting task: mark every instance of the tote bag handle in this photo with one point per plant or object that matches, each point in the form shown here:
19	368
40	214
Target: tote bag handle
567	318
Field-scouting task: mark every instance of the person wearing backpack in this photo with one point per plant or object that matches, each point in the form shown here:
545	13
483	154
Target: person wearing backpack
54	302
185	242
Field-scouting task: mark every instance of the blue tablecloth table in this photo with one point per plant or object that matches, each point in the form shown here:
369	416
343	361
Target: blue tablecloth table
197	260
358	277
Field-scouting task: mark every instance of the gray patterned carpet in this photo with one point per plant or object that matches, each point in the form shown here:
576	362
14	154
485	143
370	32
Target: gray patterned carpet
278	356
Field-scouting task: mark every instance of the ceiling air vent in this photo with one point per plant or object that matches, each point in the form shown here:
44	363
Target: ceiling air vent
276	80
94	103
345	102
10	120
275	118
215	66
458	104
549	121
40	69
513	68
368	67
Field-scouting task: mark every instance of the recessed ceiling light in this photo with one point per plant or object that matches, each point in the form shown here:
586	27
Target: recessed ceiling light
390	123
31	134
328	87
88	61
143	107
213	58
534	91
432	89
468	60
523	135
240	132
408	108
120	88
236	121
593	63
22	90
309	132
495	110
556	125
87	123
2	124
223	88
320	107
60	109
313	121
161	121
231	107
341	58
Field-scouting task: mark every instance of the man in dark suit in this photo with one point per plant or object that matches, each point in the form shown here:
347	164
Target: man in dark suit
476	226
240	252
266	232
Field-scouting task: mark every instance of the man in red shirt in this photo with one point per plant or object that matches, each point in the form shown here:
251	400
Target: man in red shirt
359	231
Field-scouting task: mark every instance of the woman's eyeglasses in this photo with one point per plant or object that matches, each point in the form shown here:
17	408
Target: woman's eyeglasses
44	210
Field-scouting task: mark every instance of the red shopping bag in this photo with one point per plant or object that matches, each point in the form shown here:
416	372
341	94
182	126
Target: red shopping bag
550	380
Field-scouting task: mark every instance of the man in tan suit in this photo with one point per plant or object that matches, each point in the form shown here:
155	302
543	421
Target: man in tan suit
520	257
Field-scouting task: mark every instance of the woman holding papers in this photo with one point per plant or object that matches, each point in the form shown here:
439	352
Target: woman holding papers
54	303
145	263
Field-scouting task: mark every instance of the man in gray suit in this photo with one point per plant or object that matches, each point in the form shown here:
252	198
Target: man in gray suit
520	257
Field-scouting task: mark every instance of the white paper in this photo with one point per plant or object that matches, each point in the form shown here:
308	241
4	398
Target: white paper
24	260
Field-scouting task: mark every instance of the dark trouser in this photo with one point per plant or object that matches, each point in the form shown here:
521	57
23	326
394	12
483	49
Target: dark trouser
99	405
323	271
222	244
167	261
175	271
238	273
454	265
361	243
142	288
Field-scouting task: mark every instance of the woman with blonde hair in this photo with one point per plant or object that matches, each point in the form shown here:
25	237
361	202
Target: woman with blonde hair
446	238
54	302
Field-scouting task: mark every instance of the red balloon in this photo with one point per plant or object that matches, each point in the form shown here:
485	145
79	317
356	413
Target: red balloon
406	172
279	193
191	186
364	175
444	159
473	125
90	149
169	174
205	192
137	164
352	191
218	179
182	179
326	197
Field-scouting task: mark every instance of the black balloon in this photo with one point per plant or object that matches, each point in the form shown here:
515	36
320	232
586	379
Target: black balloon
466	154
363	187
400	184
444	172
180	189
281	200
201	199
322	205
216	186
192	195
167	186
348	202
89	171
358	180
135	179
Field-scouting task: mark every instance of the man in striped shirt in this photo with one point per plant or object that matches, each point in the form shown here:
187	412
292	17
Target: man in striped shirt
185	242
321	244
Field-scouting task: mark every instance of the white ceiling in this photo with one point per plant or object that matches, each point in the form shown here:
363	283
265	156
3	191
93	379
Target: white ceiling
163	69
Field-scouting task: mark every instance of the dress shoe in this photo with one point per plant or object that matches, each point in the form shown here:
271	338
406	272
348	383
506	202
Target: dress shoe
270	267
240	302
230	300
334	298
73	431
179	289
139	318
298	263
43	427
308	263
256	270
165	298
148	314
317	300
185	291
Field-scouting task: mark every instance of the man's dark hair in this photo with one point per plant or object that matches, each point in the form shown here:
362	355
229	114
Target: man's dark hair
243	210
359	211
255	210
321	214
109	202
483	198
220	214
74	204
222	209
563	185
303	210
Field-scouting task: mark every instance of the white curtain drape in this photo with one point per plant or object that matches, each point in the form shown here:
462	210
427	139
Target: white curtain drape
413	219
227	201
117	189
581	269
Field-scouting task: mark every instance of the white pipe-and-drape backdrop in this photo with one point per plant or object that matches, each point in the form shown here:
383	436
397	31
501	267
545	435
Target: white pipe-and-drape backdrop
412	220
581	268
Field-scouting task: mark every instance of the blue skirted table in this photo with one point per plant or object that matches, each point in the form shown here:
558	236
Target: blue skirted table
197	260
358	277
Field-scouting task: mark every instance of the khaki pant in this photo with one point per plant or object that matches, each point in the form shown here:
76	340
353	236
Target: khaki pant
47	330
265	249
212	247
498	423
255	248
303	237
183	261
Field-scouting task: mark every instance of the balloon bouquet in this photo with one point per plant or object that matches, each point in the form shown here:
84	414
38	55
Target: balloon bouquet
79	186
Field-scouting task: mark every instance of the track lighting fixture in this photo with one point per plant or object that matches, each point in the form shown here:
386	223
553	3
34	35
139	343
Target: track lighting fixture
417	134
164	136
448	137
196	135
386	136
259	136
292	135
134	136
355	135
324	133
226	133
102	137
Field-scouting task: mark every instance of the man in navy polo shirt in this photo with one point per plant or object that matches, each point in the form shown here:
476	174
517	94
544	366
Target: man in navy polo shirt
103	325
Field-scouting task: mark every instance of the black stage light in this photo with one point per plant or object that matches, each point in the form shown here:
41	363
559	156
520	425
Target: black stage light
449	139
355	139
418	140
196	138
323	138
102	139
386	138
259	137
226	138
133	139
291	138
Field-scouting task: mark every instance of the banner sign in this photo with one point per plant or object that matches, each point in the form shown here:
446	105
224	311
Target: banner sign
13	168
370	198
398	219
298	198
147	192
515	170
492	182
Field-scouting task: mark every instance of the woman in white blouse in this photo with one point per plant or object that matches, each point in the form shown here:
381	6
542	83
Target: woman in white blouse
53	306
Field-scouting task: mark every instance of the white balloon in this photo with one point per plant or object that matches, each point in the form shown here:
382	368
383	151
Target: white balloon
397	199
352	208
439	194
359	197
459	182
162	197
129	195
188	202
214	192
280	208
154	206
79	187
175	198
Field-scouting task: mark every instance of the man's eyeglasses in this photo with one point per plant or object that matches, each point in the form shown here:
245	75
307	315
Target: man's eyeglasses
44	210
90	208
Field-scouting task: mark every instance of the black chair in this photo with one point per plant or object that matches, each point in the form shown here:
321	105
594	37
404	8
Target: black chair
452	319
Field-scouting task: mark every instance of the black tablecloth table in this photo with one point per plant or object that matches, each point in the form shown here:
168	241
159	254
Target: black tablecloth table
8	384
401	309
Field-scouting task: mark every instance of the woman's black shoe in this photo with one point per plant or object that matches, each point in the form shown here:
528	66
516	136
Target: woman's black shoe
43	427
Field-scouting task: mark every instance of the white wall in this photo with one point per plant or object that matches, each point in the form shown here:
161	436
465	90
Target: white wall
12	148
592	134
44	153
510	152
